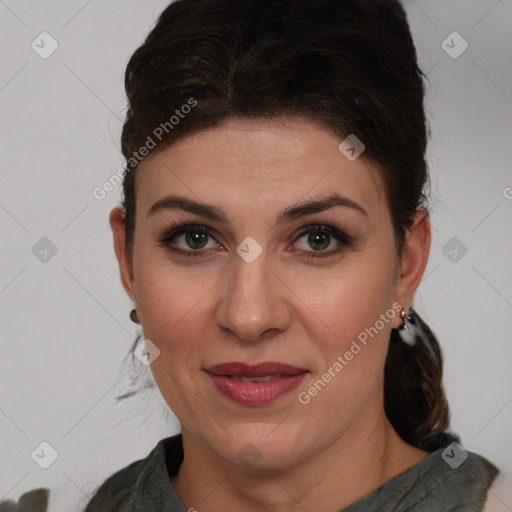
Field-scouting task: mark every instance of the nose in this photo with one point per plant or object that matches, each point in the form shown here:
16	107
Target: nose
254	301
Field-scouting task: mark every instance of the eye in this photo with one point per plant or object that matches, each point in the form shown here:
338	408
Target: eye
319	238
188	239
193	239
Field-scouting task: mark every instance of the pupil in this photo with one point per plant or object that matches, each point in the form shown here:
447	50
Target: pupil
318	239
195	237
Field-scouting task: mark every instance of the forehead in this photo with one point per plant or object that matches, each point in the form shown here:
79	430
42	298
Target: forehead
260	164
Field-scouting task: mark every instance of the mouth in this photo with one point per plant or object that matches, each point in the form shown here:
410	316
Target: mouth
257	384
265	378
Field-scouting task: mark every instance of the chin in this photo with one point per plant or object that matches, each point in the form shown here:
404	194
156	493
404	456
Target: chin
262	445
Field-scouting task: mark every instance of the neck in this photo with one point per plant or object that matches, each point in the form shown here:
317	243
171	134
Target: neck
351	467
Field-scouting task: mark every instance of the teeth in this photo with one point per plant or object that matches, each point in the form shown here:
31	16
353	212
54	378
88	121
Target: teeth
266	378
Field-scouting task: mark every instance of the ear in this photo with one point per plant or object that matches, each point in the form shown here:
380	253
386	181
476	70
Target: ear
117	224
414	260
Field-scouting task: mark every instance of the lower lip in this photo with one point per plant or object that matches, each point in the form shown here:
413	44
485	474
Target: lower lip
256	393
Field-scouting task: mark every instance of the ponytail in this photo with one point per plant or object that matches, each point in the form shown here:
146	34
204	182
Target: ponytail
414	398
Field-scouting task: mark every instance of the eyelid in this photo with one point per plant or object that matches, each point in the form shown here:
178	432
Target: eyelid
176	229
343	240
331	230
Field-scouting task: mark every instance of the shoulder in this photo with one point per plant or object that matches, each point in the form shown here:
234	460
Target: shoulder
134	483
455	478
450	479
114	494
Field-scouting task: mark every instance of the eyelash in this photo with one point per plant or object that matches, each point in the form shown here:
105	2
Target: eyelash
175	229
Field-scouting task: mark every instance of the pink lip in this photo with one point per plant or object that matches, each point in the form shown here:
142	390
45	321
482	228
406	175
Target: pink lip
255	393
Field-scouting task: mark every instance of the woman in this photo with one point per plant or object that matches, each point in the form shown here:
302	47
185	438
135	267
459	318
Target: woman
273	233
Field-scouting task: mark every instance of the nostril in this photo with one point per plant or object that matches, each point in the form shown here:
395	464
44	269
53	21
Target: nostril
262	335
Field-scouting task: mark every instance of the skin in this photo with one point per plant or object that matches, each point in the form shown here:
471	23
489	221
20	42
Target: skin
325	454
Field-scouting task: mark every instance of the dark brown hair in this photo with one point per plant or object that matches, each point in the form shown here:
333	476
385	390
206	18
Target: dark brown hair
348	65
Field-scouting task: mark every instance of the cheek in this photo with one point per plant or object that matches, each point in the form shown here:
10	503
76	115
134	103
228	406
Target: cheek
346	301
172	308
351	344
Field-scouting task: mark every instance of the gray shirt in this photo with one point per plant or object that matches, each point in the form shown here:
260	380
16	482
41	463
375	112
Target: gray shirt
441	482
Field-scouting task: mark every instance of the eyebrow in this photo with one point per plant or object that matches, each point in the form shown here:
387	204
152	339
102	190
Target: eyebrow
290	213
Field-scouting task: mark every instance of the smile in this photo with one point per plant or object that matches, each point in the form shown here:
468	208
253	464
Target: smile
258	384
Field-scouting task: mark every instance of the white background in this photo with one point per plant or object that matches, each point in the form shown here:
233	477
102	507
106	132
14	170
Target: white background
64	323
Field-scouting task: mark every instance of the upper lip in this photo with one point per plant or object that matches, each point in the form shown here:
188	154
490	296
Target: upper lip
254	370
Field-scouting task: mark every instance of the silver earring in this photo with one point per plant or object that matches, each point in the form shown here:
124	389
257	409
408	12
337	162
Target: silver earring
409	329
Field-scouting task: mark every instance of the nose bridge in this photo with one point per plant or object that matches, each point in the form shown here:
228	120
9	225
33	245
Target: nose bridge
251	303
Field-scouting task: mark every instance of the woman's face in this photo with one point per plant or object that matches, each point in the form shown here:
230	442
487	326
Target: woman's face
262	281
